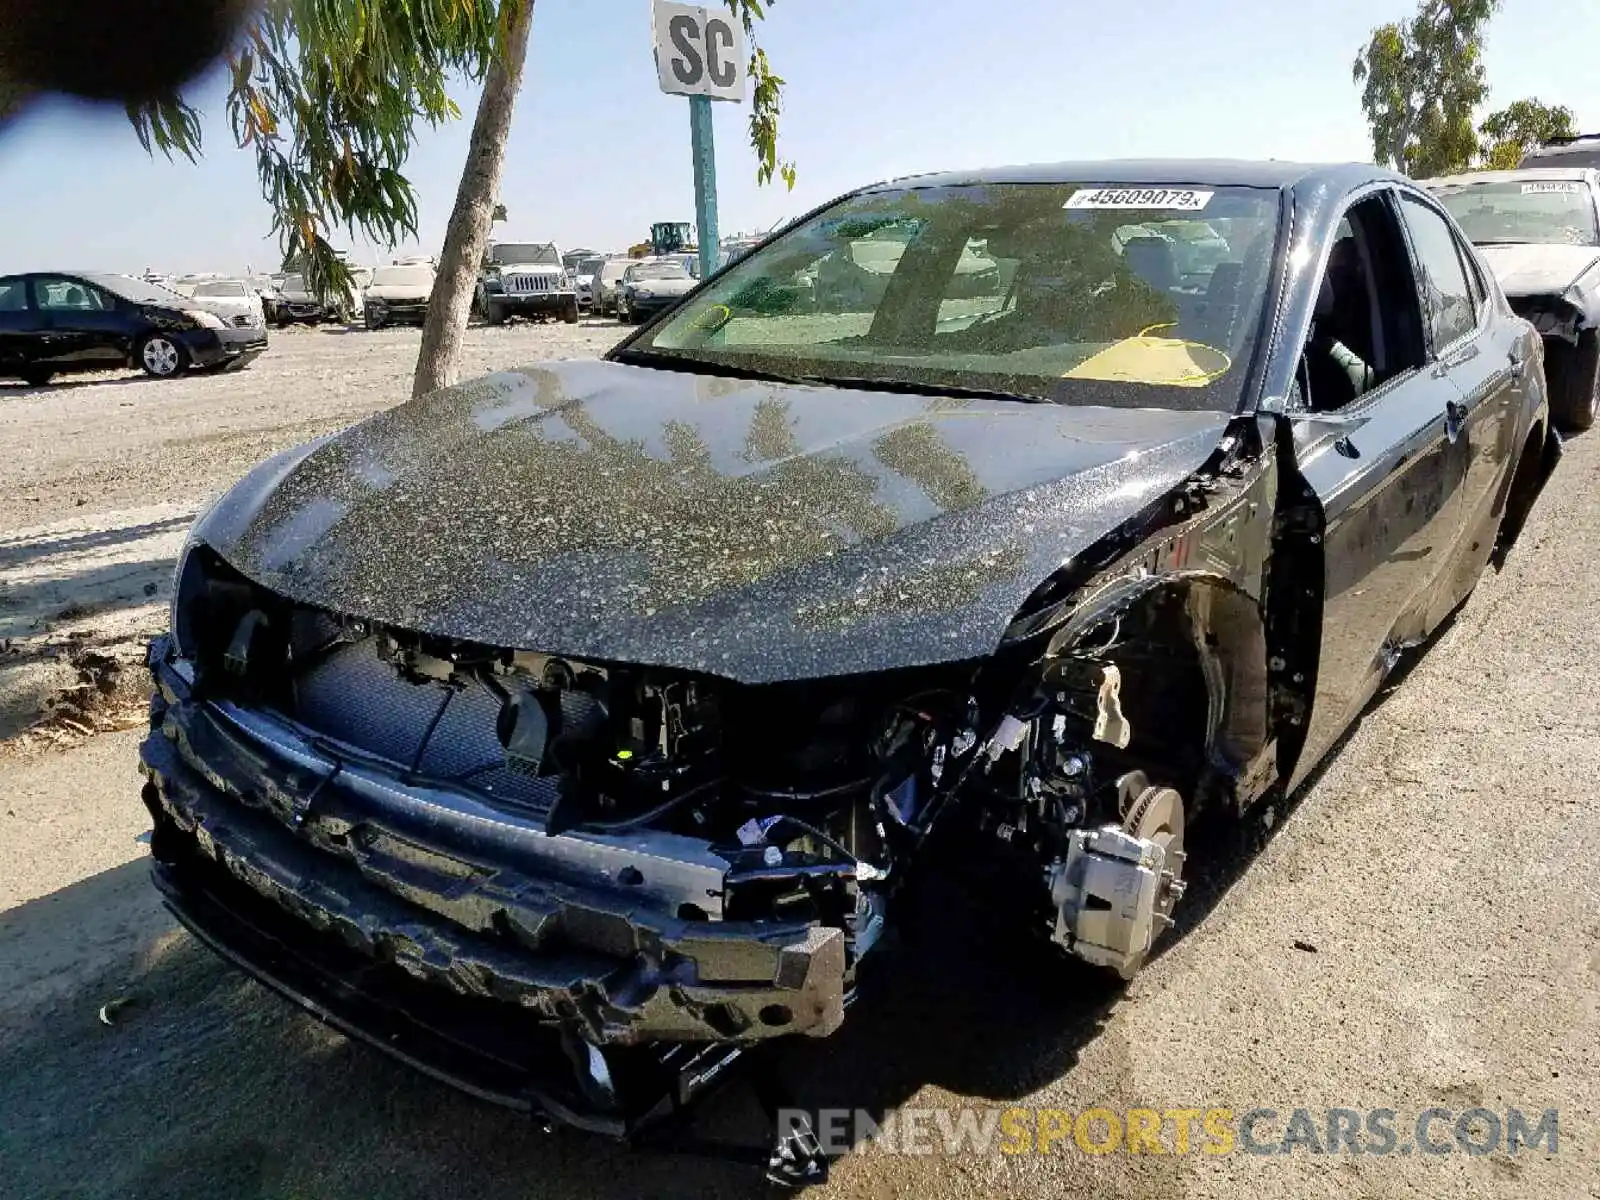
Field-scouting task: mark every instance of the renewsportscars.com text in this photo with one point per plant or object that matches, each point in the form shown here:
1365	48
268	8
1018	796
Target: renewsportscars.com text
1214	1131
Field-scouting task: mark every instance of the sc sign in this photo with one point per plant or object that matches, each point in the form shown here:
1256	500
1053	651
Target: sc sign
699	52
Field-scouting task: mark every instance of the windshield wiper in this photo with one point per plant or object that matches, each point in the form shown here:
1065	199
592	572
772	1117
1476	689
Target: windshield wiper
708	366
700	366
912	388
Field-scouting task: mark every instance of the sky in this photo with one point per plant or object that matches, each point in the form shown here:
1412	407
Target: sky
875	90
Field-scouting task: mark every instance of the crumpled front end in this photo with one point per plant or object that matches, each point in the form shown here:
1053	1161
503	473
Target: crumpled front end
402	844
230	791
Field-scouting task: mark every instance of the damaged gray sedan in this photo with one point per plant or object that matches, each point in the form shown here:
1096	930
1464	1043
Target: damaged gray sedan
569	732
1539	231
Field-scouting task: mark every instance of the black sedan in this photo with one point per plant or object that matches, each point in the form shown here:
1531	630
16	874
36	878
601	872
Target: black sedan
55	323
570	731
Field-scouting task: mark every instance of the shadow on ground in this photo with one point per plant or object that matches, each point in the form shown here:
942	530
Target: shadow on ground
27	608
16	552
69	382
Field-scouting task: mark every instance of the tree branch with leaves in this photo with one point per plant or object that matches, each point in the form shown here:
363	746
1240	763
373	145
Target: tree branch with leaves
1520	127
1422	81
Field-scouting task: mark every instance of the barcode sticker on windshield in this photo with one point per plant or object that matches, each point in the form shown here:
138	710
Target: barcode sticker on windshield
1167	199
1563	187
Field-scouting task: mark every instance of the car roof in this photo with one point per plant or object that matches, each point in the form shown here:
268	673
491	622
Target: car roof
1520	175
1218	172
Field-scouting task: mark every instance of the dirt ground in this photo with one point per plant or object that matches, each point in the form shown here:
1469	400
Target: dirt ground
1423	929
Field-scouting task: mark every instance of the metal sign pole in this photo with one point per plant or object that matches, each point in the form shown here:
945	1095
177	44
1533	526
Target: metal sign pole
703	147
699	54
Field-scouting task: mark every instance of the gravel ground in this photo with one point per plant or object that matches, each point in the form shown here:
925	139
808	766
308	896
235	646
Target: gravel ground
102	475
1421	930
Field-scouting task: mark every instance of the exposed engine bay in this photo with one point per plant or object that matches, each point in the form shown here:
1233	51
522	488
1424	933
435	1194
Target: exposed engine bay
813	798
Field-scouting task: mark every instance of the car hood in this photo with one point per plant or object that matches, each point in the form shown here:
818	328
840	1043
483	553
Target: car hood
751	530
665	287
227	306
397	291
526	269
1539	270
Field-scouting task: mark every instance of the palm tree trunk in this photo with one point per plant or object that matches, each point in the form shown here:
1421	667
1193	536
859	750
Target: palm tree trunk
467	236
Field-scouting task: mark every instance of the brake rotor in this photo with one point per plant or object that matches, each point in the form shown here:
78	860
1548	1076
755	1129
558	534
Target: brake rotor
1156	815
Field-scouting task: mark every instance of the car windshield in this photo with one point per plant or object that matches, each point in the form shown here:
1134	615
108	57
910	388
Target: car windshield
403	276
225	288
137	290
1039	291
661	270
590	266
293	283
1527	210
518	253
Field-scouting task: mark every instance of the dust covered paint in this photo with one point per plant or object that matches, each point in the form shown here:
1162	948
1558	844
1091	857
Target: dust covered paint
748	529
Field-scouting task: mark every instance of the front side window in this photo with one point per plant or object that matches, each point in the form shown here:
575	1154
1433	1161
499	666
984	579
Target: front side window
1445	295
1366	326
1539	211
68	295
1074	293
13	297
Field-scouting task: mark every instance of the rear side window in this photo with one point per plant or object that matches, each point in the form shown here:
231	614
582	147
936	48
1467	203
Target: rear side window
1446	295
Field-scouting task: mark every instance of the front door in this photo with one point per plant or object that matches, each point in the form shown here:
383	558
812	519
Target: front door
1374	442
82	329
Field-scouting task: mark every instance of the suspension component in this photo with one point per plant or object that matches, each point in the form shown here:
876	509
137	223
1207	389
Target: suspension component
1115	890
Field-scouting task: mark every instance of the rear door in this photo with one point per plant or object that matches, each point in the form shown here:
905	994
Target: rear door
1481	357
1372	443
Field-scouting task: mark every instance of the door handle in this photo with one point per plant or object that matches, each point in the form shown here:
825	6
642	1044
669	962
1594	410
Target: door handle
1455	416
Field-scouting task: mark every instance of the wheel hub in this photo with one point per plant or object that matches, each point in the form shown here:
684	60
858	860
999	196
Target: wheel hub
161	356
